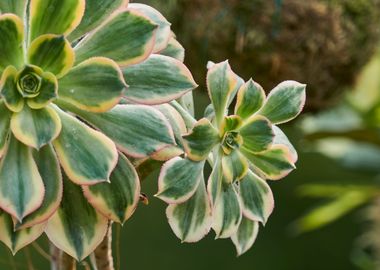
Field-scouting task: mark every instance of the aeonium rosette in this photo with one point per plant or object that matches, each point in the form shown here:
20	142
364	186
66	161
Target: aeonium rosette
68	116
244	149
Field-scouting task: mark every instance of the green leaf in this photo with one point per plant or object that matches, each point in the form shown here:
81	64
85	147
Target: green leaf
245	236
116	200
11	45
201	140
76	228
281	139
48	91
179	179
5	118
333	210
235	166
87	156
257	134
191	220
52	53
94	85
174	49
221	84
227	212
48	167
36	128
250	99
187	102
124	125
54	16
12	98
127	37
11	6
274	163
163	33
157	80
256	198
214	183
285	102
176	121
95	13
21	186
231	123
16	240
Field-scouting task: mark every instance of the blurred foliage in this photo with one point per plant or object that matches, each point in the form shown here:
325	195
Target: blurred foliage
323	43
350	134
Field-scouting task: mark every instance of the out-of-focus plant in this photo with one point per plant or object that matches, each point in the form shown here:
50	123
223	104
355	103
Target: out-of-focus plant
244	149
94	94
350	134
278	39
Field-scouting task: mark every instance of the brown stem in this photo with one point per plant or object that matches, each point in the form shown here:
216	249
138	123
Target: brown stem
60	260
103	253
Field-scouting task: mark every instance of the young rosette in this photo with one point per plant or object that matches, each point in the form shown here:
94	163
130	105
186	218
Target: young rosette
244	150
76	80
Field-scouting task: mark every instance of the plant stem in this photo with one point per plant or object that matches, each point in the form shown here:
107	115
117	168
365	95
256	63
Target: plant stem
103	253
60	260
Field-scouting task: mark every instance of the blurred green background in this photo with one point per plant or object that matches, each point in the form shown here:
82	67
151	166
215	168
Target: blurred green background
331	45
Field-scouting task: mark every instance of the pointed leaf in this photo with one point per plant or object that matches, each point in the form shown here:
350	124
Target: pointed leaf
179	179
250	99
87	156
191	220
246	235
201	140
163	33
235	166
124	125
11	6
174	49
187	102
274	163
256	197
50	171
257	134
36	128
52	53
21	186
94	85
12	98
221	83
281	139
214	183
231	123
16	240
95	13
157	80
227	212
11	45
76	228
285	102
176	121
54	16
126	37
116	200
5	117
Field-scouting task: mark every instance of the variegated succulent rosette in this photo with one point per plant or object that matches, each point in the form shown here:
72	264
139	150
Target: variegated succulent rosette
79	81
244	150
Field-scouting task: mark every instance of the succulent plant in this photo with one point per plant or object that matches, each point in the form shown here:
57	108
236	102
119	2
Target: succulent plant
91	91
244	149
62	57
